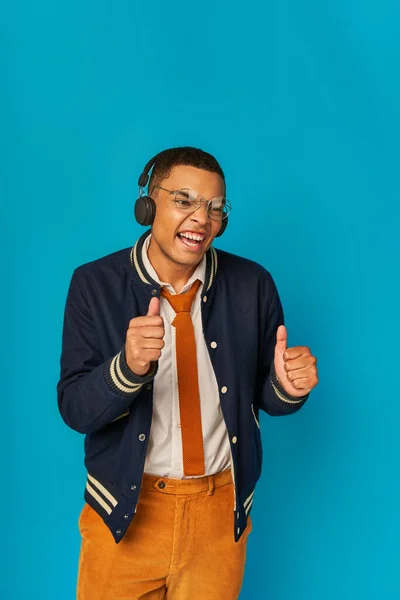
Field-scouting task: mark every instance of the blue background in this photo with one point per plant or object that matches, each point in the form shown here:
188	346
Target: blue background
300	103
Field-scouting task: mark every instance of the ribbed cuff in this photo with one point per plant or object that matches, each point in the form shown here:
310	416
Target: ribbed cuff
280	391
121	379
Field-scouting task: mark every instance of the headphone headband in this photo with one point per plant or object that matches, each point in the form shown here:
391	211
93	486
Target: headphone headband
144	177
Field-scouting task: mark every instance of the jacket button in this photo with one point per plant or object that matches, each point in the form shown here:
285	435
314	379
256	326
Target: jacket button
149	386
142	437
118	532
126	516
224	389
238	530
213	344
154	292
205	299
133	488
234	439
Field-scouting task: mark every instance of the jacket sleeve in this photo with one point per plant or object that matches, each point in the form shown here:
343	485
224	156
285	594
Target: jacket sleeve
93	390
275	400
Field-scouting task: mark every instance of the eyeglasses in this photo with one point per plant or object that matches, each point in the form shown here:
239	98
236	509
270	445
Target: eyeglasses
188	201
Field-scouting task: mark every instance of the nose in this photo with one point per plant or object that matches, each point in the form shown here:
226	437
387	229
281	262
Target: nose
200	215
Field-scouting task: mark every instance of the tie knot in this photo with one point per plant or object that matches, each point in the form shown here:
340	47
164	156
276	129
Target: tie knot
182	302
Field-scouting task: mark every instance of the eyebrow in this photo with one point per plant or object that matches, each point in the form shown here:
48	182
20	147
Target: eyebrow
182	191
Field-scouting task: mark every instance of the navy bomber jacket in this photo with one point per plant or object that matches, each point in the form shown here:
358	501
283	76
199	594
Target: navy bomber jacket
99	395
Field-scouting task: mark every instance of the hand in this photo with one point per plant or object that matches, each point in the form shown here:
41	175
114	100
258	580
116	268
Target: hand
144	339
295	367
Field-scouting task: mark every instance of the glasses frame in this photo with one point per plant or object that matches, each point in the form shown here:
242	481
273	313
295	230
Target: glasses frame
227	204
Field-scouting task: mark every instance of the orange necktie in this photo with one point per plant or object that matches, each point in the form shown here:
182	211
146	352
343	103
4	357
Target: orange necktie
188	383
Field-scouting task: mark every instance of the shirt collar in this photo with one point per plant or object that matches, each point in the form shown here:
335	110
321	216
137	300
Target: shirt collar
200	272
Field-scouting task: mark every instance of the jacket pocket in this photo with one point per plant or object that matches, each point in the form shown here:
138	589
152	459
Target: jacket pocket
255	418
125	414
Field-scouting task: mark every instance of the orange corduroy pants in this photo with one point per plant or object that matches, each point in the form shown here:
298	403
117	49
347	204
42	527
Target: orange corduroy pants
179	546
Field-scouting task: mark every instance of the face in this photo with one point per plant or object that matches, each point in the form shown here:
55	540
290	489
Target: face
171	225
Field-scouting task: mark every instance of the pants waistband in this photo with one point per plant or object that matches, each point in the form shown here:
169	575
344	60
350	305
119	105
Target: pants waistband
166	485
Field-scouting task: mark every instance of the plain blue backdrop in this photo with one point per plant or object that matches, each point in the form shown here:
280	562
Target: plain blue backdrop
299	101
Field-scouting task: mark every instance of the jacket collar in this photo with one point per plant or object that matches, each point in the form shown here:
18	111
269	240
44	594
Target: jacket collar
144	276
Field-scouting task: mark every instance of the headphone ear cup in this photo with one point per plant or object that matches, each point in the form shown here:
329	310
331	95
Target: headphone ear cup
145	210
224	225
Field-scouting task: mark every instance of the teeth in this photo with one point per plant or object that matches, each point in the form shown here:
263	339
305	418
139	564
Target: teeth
193	236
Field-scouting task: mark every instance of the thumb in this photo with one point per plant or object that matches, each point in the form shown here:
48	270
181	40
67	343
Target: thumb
281	340
154	308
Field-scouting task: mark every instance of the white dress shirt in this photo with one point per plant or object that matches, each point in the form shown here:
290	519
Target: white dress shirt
164	453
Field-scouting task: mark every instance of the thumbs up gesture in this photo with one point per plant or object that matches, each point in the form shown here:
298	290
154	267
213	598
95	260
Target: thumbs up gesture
144	339
295	367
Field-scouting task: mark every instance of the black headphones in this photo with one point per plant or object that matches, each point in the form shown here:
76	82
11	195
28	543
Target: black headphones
145	207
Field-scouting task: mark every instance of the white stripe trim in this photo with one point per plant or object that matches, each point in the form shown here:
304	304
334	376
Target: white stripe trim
96	496
216	261
248	499
213	267
103	490
131	387
120	374
247	510
283	398
135	262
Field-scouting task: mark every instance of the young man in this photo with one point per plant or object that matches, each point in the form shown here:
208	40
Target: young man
170	349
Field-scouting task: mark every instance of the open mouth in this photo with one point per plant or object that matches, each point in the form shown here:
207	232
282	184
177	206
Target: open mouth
192	240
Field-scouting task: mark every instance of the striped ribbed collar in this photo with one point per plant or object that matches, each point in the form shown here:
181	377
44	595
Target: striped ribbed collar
144	276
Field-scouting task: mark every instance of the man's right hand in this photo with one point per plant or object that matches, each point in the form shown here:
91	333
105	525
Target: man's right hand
144	339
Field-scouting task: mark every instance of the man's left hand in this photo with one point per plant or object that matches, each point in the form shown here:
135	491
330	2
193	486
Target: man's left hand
295	367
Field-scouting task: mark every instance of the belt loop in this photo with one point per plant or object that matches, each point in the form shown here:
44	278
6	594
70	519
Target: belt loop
211	485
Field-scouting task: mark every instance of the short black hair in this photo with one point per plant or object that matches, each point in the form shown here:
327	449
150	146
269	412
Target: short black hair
184	155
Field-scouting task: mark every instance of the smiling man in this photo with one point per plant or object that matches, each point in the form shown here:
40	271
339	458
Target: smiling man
170	349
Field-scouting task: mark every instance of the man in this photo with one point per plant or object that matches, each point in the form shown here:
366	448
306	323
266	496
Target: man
170	349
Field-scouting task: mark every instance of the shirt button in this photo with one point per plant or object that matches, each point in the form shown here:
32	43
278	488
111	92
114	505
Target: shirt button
179	425
224	389
213	344
161	485
234	439
142	437
133	488
205	299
